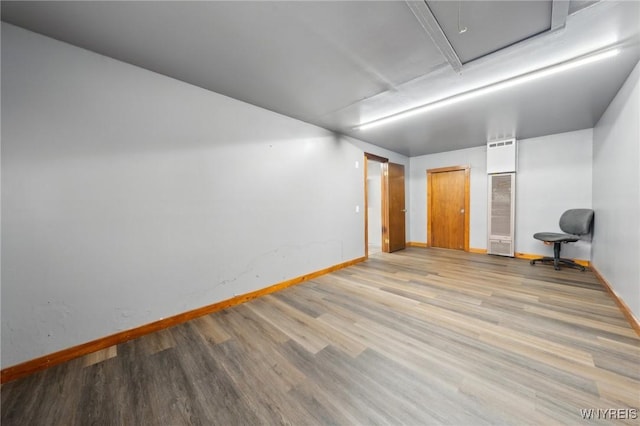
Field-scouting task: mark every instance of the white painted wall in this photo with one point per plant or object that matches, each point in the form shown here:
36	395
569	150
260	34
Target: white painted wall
616	193
554	174
128	197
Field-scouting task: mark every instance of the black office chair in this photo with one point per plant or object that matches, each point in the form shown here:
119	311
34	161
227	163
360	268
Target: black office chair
574	222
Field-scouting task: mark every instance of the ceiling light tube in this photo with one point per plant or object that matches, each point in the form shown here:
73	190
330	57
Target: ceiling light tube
510	82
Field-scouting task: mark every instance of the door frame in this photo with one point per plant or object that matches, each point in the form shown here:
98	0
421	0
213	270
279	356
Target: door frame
467	214
383	203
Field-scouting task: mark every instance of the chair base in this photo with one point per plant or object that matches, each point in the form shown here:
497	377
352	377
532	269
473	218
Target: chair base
557	262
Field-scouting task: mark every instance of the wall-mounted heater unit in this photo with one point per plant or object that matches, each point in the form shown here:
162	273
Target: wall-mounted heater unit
501	213
501	167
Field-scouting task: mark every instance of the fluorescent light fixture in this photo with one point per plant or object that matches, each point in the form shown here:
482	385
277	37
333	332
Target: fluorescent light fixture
510	82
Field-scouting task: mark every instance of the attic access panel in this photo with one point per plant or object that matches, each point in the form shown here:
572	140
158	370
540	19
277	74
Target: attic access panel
490	25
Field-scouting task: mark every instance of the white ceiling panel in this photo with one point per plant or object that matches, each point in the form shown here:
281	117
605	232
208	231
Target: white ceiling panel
560	103
476	29
339	64
304	59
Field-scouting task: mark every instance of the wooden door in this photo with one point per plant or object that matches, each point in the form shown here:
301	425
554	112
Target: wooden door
393	231
448	208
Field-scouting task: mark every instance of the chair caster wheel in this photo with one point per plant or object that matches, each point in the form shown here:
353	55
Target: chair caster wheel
532	262
557	268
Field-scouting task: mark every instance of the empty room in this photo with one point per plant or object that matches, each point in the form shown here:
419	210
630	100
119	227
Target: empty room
320	212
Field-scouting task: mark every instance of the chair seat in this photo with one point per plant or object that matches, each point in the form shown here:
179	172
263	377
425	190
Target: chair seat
554	237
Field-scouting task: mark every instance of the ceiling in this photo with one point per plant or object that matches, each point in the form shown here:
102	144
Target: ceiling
338	64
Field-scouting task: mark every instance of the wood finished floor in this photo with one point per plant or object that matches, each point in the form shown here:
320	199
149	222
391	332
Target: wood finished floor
422	336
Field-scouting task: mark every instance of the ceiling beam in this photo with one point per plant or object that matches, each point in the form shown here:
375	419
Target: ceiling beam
423	14
559	13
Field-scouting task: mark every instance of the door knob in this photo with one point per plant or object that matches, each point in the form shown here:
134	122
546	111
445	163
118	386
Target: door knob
462	211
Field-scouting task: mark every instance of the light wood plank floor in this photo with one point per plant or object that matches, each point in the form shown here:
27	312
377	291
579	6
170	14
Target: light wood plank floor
422	336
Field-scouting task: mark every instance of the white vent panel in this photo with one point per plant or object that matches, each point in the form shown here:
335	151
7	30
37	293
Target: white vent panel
501	156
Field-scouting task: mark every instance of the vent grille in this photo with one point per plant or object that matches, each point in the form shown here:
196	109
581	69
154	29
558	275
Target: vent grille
501	214
503	143
500	247
501	205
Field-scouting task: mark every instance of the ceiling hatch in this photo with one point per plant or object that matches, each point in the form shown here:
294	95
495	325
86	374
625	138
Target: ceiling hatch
476	29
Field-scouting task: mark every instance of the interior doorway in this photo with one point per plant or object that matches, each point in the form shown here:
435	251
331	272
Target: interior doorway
384	218
448	207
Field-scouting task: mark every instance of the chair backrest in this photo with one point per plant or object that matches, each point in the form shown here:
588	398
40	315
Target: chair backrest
576	221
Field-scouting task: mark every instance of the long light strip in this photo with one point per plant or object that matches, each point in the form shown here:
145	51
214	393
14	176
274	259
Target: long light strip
519	79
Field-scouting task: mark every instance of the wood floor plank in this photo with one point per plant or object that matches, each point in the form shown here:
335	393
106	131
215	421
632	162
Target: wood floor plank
253	337
331	335
421	336
293	328
334	385
100	356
